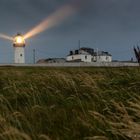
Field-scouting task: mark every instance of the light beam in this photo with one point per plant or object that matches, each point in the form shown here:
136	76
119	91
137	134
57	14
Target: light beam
53	20
3	36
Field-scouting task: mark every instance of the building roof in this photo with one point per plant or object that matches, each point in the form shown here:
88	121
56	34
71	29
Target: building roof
52	60
102	53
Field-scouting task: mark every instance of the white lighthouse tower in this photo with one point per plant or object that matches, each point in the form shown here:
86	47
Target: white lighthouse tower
19	46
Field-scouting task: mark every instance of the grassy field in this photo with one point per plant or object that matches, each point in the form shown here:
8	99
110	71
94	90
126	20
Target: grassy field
69	103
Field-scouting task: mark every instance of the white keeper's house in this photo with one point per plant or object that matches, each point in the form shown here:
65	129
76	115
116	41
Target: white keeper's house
88	55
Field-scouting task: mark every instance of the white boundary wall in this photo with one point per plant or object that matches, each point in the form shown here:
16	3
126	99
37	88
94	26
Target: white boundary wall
80	64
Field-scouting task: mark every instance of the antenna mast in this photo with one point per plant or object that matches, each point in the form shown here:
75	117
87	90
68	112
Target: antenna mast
79	44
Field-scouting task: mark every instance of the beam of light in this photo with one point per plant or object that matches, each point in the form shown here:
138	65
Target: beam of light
53	20
3	36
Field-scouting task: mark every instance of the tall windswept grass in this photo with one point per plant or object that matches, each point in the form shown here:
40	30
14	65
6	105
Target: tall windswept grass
69	103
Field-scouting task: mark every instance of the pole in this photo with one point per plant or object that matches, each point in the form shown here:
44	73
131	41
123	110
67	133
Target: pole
34	56
97	54
79	44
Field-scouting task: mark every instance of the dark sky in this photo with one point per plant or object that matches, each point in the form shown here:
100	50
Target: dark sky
109	25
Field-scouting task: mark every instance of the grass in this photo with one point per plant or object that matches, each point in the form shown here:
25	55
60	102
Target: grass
69	103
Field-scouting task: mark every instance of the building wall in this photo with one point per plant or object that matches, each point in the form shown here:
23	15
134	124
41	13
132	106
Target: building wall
89	58
81	57
73	57
86	58
103	58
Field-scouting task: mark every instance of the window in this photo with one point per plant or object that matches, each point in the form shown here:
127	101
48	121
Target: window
106	58
86	57
20	54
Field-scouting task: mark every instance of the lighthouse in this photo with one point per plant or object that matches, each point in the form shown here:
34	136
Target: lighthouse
19	46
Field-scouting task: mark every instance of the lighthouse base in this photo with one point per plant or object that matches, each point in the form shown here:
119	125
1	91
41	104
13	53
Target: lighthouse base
19	55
